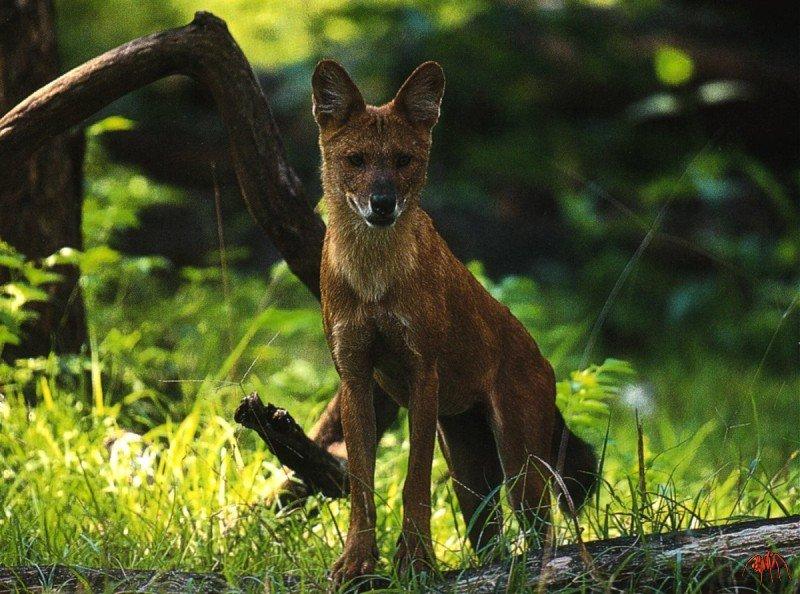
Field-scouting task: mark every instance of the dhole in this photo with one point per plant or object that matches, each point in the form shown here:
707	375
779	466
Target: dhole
399	307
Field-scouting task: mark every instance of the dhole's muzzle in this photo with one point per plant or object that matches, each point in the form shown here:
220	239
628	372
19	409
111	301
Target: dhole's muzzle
384	207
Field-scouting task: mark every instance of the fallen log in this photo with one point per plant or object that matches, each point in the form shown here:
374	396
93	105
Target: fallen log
63	578
709	559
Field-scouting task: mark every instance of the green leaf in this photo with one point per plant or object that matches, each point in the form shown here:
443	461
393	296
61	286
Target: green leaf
21	293
38	277
111	124
11	261
7	337
673	66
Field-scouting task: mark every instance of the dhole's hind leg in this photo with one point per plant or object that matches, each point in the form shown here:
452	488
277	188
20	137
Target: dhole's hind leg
468	445
523	426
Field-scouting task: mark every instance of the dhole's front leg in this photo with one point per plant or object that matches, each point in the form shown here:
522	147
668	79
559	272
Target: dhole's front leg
358	421
414	549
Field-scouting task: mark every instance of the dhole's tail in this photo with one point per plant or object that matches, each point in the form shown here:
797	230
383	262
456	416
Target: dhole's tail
580	465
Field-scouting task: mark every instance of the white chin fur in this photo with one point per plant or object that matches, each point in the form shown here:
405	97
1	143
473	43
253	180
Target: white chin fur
373	226
356	207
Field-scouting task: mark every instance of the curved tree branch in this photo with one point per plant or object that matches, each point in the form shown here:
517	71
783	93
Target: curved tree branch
203	50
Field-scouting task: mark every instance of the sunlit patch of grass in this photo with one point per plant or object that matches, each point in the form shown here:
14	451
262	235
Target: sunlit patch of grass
124	470
191	493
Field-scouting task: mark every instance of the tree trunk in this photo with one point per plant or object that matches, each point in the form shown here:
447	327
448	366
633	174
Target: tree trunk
40	203
205	51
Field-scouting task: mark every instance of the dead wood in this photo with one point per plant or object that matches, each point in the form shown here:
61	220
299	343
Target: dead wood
321	471
63	578
717	557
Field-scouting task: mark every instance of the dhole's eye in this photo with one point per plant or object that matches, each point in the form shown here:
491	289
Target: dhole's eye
356	159
402	160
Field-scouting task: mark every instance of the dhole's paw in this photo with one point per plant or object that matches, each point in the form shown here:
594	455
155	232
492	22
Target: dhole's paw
414	555
357	560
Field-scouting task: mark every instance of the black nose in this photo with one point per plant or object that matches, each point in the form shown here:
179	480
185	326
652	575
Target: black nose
382	204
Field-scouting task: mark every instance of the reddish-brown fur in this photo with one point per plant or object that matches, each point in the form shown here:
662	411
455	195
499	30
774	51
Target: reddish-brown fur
400	307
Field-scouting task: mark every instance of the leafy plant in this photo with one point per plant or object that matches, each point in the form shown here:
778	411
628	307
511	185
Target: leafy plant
24	286
585	398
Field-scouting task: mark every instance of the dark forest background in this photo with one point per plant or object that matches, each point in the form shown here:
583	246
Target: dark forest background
569	131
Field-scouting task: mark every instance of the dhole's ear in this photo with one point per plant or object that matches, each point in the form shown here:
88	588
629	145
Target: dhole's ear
335	96
421	95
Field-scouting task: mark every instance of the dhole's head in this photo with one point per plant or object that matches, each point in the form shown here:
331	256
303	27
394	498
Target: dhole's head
374	159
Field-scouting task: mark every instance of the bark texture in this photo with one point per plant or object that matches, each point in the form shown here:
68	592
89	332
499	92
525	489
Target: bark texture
40	192
320	471
718	557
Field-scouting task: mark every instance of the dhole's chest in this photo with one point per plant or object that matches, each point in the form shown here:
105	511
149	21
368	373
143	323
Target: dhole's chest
386	342
377	334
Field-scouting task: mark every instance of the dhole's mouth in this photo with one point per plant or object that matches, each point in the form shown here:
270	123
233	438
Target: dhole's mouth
371	218
374	220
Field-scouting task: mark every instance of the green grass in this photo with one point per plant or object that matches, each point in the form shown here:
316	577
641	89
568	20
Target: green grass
116	467
192	492
130	457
